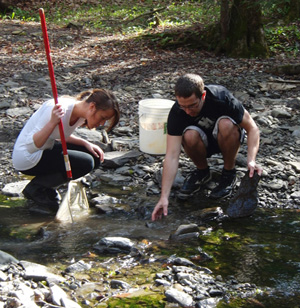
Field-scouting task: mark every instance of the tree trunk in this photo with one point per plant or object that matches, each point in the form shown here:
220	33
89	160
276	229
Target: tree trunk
245	35
224	19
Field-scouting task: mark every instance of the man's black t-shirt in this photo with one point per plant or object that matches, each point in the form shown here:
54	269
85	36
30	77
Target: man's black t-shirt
218	102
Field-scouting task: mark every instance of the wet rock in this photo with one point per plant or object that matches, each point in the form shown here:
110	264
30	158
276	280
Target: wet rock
39	272
180	261
182	229
207	303
207	214
6	258
162	282
60	297
114	245
79	266
184	237
118	284
183	299
113	179
185	232
245	200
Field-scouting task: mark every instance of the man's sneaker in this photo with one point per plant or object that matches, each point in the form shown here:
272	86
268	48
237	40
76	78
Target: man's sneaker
226	185
193	183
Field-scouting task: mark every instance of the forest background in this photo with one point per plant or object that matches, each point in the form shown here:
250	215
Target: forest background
235	28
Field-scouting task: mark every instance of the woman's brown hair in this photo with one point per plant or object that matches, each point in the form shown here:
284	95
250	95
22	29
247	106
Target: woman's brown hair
103	100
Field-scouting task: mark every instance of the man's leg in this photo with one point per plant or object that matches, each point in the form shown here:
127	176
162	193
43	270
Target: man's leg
228	138
195	148
229	142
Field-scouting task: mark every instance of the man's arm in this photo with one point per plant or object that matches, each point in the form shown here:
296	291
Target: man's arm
170	168
252	141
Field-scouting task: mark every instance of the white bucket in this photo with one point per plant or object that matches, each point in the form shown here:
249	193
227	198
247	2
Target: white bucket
153	116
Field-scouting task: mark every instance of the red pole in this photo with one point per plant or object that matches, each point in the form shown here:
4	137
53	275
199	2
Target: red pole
54	91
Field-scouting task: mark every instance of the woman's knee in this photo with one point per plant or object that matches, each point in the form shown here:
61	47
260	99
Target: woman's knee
81	164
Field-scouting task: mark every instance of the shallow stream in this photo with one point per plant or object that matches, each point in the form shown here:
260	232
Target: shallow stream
263	249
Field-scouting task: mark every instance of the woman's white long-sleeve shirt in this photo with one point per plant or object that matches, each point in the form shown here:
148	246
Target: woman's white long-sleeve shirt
25	154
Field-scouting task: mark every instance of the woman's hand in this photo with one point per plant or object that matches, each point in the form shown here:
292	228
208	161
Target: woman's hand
41	137
57	114
95	150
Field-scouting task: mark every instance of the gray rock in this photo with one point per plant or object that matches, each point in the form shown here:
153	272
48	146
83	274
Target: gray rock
6	258
38	272
114	245
280	113
117	159
79	266
14	189
182	229
207	303
20	111
113	179
163	282
295	165
3	276
60	297
182	298
119	284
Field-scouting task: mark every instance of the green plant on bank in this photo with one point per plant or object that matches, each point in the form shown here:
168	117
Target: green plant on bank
284	39
148	301
19	14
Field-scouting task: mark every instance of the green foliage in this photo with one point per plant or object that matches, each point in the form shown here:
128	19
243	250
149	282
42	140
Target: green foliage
19	14
284	39
276	8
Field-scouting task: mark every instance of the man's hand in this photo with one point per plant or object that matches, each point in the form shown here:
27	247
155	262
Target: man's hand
161	209
252	166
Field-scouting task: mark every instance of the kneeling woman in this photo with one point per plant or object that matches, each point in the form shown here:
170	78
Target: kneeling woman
38	152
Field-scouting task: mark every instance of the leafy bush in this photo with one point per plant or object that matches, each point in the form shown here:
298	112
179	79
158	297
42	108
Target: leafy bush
284	39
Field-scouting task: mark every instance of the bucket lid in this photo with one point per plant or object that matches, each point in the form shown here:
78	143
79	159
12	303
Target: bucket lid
156	103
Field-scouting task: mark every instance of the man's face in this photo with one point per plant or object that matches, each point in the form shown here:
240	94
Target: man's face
191	105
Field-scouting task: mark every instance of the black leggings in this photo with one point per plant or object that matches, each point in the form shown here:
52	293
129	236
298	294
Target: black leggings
52	161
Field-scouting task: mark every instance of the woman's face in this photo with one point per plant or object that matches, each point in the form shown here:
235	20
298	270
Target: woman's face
99	117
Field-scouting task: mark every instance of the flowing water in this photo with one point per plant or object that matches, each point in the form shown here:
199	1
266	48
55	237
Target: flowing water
262	249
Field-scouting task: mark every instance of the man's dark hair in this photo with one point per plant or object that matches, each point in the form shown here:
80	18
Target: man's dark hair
188	85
